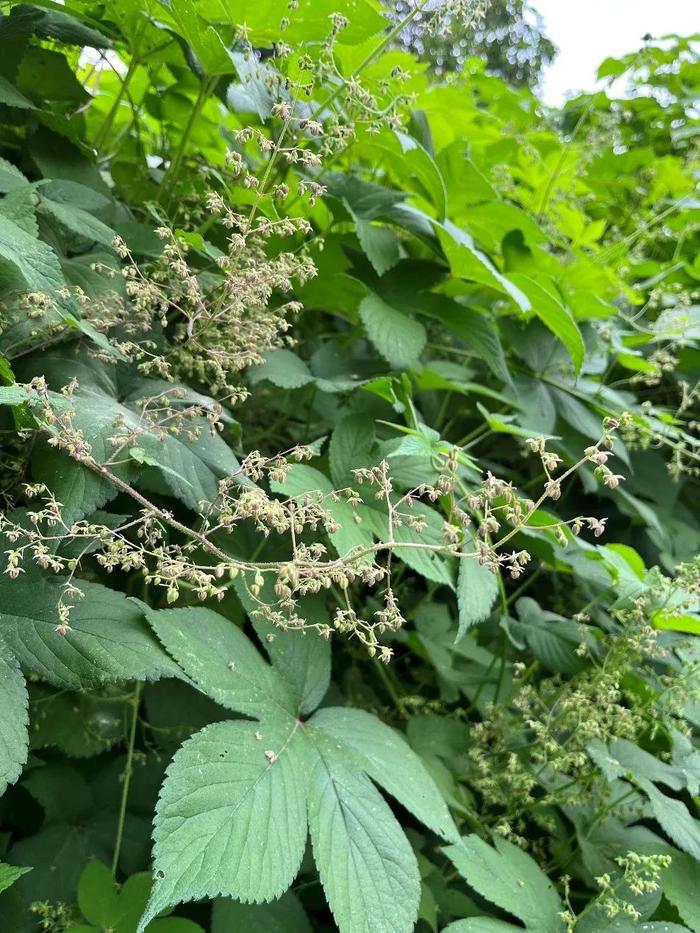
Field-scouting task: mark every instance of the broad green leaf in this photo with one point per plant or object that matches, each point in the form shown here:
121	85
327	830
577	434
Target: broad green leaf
11	178
302	659
303	481
79	724
367	868
78	221
283	916
390	762
34	260
674	818
468	262
511	879
350	448
282	368
10	96
231	818
97	896
13	719
193	468
222	661
108	640
381	245
681	885
477	591
19	207
554	315
10	873
398	338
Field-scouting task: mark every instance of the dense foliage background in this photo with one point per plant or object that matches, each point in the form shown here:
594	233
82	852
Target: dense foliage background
349	472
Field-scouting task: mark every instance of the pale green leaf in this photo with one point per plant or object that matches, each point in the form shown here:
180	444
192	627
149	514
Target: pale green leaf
554	315
397	337
13	719
511	879
681	886
10	873
468	262
390	762
108	640
221	660
477	590
282	368
380	245
231	818
78	221
367	868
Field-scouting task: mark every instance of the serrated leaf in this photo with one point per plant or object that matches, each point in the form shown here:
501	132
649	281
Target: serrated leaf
302	481
221	660
303	659
284	369
10	873
367	868
78	221
13	719
400	339
468	262
674	818
511	879
231	818
10	177
380	245
33	259
557	318
108	641
477	590
283	916
481	925
350	448
681	885
390	762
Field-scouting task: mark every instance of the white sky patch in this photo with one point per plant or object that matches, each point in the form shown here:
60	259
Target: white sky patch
587	32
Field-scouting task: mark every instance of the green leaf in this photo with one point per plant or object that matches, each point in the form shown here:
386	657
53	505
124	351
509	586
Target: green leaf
108	640
283	916
367	868
98	899
33	259
79	724
303	481
511	879
468	262
674	818
78	221
14	719
477	590
222	661
380	245
10	873
400	339
282	368
231	817
211	57
303	659
390	762
10	96
553	315
350	448
481	925
681	885
11	178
